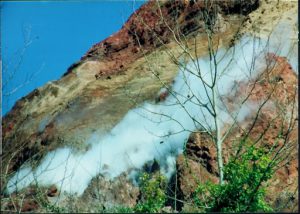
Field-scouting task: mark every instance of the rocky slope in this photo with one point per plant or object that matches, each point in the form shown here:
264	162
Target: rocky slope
122	72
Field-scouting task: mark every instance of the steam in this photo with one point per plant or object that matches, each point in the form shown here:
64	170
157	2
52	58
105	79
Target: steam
282	43
153	131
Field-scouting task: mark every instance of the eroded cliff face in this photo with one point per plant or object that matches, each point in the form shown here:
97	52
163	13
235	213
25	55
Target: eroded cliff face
97	92
129	68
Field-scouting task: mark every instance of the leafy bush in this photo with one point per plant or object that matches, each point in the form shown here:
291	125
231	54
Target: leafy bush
119	209
153	196
243	189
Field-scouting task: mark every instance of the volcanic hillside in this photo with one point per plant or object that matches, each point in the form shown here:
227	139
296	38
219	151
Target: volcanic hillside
90	125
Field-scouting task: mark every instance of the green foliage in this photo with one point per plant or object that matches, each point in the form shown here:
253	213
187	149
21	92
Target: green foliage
125	210
54	209
118	209
243	190
152	192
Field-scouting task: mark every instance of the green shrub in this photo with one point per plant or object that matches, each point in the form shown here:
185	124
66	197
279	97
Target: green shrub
243	189
153	196
119	209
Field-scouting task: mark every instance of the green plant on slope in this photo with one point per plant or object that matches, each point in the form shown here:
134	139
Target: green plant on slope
119	209
243	190
153	196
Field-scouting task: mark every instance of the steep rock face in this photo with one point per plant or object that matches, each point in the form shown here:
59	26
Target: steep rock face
149	28
87	99
118	74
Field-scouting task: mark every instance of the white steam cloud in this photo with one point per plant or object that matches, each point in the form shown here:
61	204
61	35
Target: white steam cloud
151	131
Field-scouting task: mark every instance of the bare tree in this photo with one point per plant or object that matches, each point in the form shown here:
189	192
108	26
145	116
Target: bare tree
213	104
11	68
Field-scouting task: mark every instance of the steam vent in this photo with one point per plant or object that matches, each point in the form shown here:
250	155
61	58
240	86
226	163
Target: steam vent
192	106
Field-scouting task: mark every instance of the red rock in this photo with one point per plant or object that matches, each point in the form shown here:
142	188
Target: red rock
52	191
29	206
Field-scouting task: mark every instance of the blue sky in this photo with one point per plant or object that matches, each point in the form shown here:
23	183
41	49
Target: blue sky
40	40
